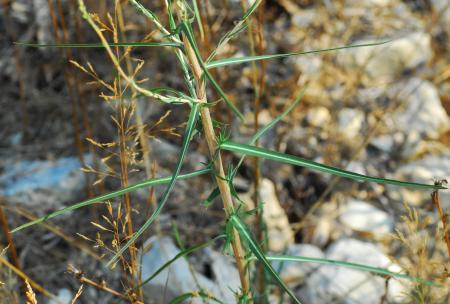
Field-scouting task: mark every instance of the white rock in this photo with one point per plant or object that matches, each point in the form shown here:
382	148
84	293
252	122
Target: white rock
370	3
308	65
64	296
442	9
293	273
422	110
356	166
43	21
304	18
386	62
323	231
424	170
280	234
318	117
336	284
226	276
350	122
383	143
178	278
43	185
361	216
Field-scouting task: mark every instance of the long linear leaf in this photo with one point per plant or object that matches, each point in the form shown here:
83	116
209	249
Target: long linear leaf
104	197
270	125
238	60
181	254
278	118
357	266
99	45
257	251
193	117
301	162
198	19
238	28
187	30
256	136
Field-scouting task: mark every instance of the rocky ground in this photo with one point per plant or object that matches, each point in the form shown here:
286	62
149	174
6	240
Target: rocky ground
381	111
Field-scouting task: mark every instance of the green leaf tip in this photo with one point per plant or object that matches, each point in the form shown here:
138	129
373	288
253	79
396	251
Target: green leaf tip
245	59
301	162
356	266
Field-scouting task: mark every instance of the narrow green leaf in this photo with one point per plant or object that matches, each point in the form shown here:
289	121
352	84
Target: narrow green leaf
104	197
277	119
257	251
238	60
362	267
187	30
270	125
99	45
148	13
152	16
251	10
181	254
195	294
199	19
240	26
213	195
193	117
301	162
172	24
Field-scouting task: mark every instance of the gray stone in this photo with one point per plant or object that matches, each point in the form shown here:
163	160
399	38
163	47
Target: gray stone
43	21
280	234
422	111
225	274
294	273
386	62
442	8
425	170
63	296
383	143
318	117
43	184
351	122
336	284
304	18
308	65
178	278
361	216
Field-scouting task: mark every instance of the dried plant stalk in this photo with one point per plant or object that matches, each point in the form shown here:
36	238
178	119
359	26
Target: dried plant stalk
224	188
443	216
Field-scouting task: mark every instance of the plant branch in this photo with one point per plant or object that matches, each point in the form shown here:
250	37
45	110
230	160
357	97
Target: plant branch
224	188
443	216
115	60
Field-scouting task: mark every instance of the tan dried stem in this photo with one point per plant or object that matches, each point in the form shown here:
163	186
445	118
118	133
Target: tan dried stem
444	218
224	188
24	277
116	62
99	285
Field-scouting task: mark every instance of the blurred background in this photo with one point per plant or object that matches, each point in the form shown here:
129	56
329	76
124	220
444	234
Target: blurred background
69	132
